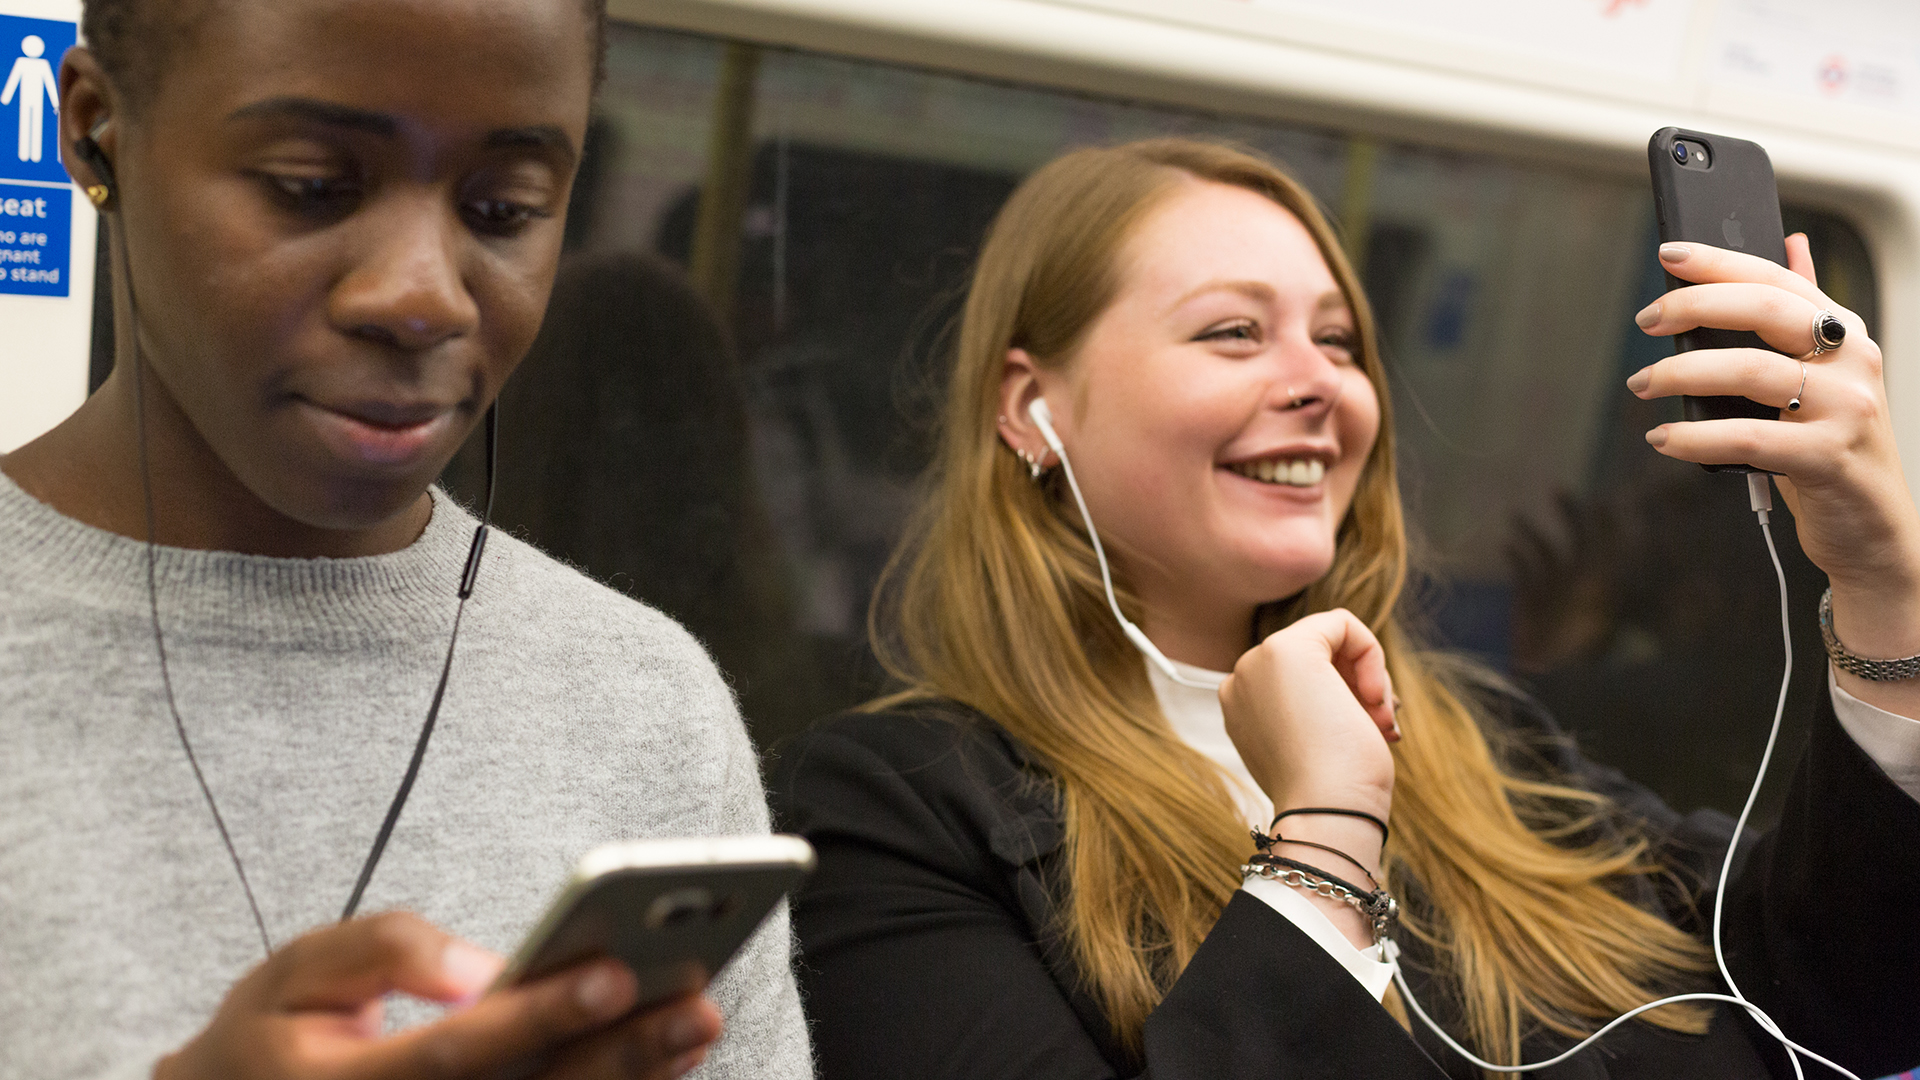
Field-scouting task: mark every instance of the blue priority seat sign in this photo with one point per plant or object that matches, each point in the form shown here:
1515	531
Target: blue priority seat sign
36	197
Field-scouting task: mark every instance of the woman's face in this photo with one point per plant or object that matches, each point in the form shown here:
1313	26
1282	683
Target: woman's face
343	218
1219	419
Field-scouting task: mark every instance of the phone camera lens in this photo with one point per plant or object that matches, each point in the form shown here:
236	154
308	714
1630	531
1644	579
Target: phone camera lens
1680	152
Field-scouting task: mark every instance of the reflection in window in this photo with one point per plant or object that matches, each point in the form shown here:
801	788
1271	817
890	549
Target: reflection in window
729	402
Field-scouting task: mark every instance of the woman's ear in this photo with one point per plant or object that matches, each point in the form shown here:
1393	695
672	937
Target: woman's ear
1019	389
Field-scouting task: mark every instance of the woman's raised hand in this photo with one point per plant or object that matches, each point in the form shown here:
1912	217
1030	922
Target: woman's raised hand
313	1010
1311	711
1839	465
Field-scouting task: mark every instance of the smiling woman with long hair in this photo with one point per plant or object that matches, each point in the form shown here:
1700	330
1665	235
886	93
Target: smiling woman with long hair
1031	853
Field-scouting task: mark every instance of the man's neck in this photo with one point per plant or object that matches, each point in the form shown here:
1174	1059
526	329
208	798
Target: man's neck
88	468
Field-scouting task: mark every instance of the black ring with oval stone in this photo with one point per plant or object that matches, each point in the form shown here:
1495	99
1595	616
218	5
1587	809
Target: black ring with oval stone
1828	331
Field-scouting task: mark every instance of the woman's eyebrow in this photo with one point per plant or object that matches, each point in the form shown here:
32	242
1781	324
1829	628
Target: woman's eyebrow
547	137
1254	290
1334	300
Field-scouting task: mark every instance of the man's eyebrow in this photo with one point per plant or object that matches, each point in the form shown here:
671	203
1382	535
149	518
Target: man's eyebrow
535	137
318	112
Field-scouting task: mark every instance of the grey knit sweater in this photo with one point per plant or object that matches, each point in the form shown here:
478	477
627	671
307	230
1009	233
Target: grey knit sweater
574	716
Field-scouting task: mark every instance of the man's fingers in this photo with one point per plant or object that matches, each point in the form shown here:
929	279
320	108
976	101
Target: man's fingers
659	1044
1703	263
341	967
1760	374
505	1027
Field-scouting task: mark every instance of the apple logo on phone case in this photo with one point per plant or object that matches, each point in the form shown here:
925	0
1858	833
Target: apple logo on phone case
1731	227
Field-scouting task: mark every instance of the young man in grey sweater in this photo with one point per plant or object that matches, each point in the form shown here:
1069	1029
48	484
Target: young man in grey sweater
226	590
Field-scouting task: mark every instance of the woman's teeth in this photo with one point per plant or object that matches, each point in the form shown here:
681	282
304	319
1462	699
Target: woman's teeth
1299	472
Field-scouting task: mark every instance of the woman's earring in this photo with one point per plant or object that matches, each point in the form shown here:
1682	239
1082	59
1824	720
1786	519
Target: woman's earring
1034	468
99	193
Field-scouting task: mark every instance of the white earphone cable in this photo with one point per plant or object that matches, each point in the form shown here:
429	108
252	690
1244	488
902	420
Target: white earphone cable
1043	419
1761	501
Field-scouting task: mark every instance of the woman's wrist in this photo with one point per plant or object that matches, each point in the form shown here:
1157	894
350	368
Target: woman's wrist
1880	620
1878	625
1356	839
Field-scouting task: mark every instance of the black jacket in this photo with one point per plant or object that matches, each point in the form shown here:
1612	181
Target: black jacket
926	950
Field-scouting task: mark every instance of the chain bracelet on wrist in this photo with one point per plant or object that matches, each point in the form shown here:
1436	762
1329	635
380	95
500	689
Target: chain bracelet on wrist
1378	907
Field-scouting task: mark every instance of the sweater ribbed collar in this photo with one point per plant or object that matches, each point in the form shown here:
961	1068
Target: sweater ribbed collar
379	596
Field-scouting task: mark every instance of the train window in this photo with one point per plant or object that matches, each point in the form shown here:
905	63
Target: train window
730	400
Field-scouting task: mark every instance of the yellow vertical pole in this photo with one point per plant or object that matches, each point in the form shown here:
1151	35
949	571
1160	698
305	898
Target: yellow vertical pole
723	194
1356	200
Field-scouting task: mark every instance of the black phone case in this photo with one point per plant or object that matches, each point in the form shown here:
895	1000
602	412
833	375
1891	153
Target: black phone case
1731	204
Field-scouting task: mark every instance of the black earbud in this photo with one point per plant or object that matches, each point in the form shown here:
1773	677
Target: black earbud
88	146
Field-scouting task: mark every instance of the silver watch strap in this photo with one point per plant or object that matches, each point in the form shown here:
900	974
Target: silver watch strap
1874	670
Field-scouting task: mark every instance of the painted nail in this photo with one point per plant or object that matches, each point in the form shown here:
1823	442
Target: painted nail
1638	381
1658	436
1674	253
1648	316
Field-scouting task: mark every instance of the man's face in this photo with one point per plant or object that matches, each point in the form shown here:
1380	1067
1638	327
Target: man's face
343	219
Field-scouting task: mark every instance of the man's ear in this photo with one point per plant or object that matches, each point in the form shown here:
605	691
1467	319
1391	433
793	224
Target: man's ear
88	132
1020	387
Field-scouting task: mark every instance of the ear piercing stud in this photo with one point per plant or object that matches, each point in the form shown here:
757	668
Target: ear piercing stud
99	193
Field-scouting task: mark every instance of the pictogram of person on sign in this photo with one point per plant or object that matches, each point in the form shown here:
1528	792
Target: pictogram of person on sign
32	77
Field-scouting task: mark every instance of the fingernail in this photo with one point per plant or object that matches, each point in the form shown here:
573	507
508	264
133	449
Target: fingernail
1638	381
686	1063
467	966
685	1032
1393	701
607	990
1648	316
1393	733
1674	253
1658	436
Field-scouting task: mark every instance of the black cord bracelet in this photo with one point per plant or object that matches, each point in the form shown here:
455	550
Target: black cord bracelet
1361	814
1265	843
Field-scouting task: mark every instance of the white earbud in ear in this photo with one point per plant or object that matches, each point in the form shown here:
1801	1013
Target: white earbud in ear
1043	419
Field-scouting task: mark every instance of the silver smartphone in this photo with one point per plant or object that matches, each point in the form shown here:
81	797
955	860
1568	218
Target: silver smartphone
674	911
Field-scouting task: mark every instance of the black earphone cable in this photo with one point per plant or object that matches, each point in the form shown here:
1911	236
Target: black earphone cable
468	577
159	640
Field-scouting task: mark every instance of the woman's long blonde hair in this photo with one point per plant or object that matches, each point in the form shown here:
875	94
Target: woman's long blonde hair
994	600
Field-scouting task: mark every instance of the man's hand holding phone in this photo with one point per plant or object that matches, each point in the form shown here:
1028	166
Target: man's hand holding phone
314	1009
